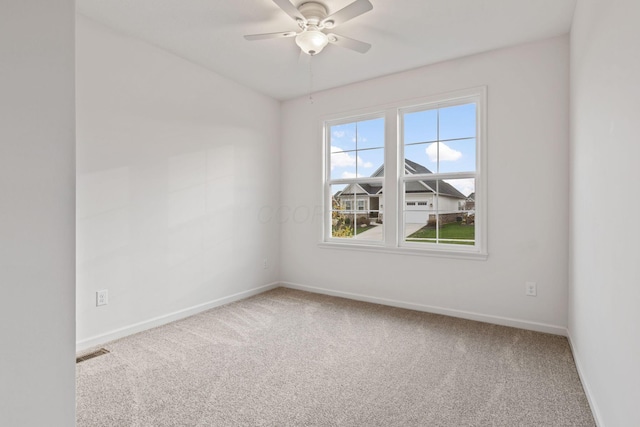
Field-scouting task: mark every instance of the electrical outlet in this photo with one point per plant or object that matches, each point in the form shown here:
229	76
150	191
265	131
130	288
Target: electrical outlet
102	297
531	289
265	263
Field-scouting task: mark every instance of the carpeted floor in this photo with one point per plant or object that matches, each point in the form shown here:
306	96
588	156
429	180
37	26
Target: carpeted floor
291	358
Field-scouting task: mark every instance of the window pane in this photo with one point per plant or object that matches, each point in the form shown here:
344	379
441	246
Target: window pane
370	134
421	126
343	137
461	188
369	162
456	156
342	197
368	214
342	213
342	225
356	211
357	149
457	122
343	164
444	216
417	158
419	206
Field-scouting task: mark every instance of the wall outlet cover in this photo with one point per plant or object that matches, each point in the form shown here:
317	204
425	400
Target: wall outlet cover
102	297
531	289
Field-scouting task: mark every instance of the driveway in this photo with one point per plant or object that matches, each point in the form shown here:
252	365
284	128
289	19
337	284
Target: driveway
375	233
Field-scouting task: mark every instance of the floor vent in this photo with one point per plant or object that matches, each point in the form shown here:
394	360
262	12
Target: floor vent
92	355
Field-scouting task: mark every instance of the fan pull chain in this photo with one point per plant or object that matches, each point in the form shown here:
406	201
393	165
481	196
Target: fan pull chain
310	80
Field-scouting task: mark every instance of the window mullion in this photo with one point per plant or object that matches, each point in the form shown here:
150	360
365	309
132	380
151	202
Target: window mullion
390	196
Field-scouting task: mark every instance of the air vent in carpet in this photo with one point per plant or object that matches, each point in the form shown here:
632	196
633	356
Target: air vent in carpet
92	355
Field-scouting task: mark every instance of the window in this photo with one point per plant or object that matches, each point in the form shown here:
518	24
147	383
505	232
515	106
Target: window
355	151
434	151
439	150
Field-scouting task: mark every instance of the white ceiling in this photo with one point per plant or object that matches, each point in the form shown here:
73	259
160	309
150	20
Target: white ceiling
405	34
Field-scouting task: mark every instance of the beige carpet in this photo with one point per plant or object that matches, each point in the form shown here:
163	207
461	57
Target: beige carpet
291	358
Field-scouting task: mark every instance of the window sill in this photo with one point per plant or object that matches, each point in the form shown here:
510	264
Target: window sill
436	253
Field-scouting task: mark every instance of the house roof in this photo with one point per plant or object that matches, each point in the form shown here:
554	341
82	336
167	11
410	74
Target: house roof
443	187
424	186
368	189
371	189
413	187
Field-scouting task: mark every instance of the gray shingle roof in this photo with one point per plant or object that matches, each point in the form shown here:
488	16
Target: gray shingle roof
424	186
371	189
418	187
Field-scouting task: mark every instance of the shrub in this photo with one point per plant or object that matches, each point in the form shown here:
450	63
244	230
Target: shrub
342	231
364	220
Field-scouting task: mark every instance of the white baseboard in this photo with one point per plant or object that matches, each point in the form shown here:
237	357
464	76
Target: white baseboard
585	385
486	318
168	318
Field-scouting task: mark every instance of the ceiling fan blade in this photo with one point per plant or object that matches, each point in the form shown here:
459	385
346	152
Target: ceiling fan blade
290	9
348	43
356	8
270	35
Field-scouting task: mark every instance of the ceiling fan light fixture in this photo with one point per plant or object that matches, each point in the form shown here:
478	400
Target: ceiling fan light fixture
312	41
312	18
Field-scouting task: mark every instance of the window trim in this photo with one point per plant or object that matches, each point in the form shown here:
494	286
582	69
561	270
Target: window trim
328	181
393	180
478	99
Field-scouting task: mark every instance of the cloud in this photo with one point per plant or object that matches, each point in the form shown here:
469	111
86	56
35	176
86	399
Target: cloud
466	185
339	133
349	175
340	159
447	154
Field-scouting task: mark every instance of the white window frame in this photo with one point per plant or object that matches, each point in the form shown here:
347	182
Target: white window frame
328	181
394	178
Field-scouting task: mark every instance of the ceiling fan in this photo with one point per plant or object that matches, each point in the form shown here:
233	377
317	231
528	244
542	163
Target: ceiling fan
312	18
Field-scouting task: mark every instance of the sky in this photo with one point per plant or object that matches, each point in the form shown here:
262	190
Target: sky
442	140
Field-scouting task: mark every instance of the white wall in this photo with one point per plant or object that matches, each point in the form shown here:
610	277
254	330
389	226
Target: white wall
604	314
528	109
37	332
174	164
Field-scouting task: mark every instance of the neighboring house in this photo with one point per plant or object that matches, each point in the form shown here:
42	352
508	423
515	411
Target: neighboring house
470	203
420	201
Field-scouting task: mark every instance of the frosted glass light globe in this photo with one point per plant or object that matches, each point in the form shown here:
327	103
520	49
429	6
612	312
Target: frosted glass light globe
312	41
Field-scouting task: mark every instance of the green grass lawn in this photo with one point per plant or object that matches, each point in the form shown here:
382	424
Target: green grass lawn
457	231
363	229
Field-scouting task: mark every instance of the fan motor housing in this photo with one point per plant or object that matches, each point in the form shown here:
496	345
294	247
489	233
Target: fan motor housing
313	11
